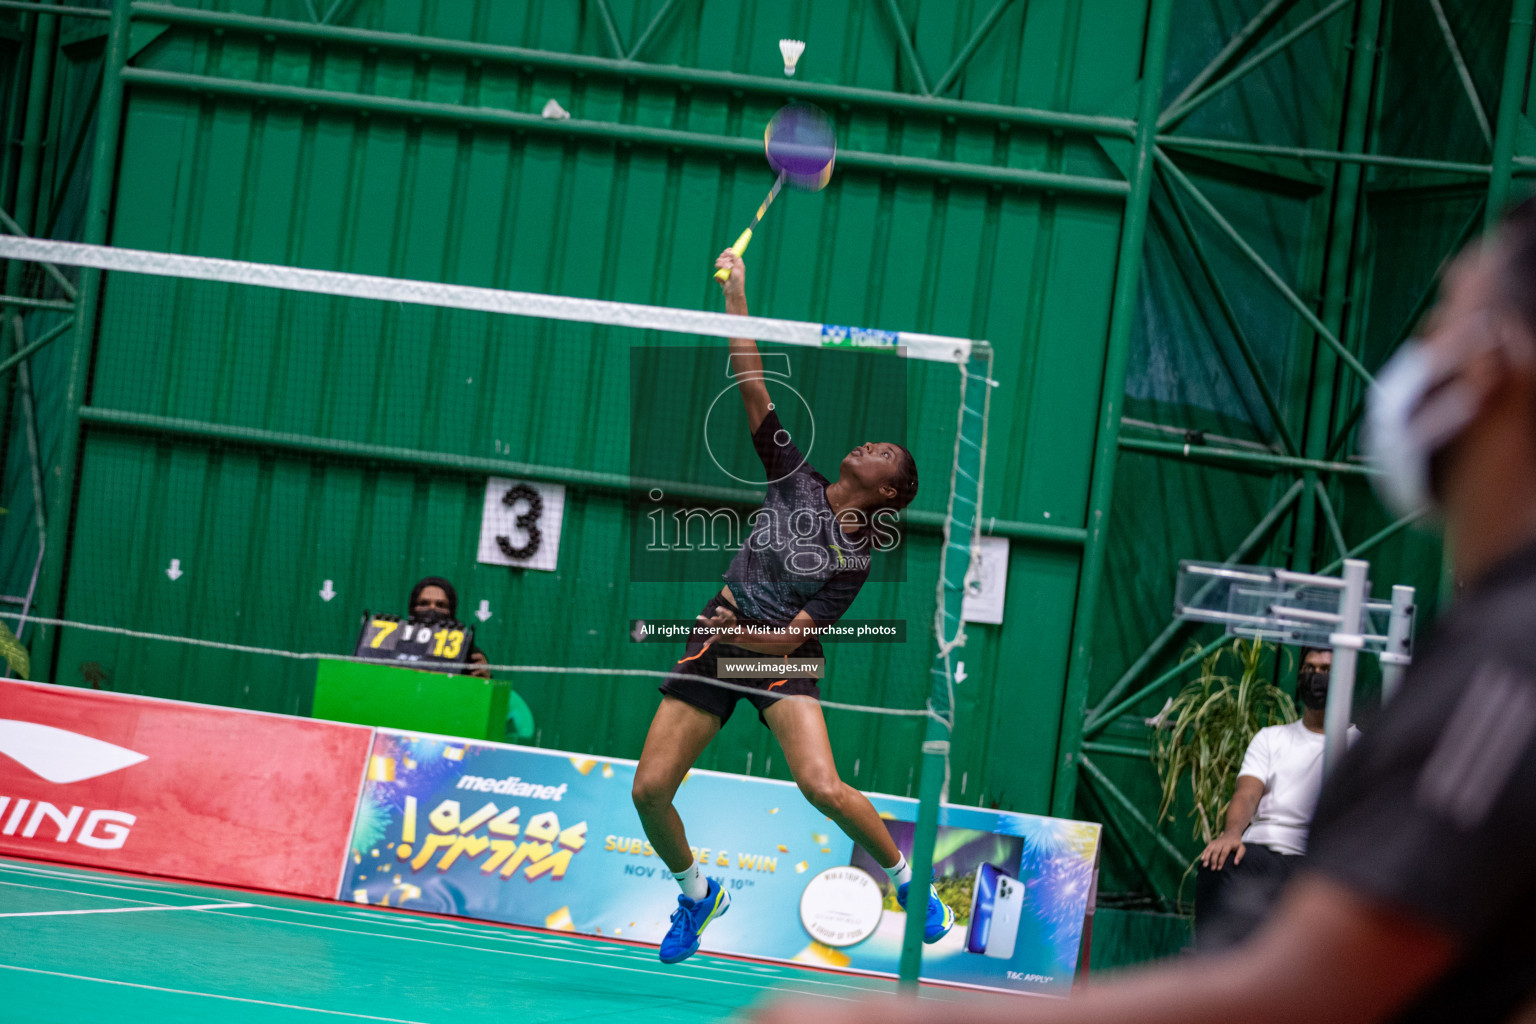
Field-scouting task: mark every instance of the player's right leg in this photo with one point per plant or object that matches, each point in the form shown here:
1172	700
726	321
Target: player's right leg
801	730
678	735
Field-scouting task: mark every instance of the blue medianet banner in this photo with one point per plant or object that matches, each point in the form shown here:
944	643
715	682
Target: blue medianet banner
534	837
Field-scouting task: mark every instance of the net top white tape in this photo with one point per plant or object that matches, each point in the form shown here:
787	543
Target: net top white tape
551	670
929	347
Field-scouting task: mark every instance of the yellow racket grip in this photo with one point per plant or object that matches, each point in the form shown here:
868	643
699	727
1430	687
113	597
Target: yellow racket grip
740	246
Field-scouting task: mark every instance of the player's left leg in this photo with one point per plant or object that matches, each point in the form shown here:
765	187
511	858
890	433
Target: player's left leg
801	730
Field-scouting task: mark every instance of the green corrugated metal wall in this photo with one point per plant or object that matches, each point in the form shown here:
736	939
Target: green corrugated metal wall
441	199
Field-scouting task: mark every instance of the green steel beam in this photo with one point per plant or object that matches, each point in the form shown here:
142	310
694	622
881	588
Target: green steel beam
756	85
968	51
76	148
1366	546
904	43
1133	849
1409	325
610	27
650	30
39	94
1239	458
314	15
1259	24
34	447
1345	234
69	398
1325	503
1279	283
1468	86
60	9
1101	720
411	458
1229	314
22	302
1095	747
1066	535
335	11
1101	486
1177	113
52	271
34	124
16	357
1107	786
1182	142
1155	648
604	131
1516	57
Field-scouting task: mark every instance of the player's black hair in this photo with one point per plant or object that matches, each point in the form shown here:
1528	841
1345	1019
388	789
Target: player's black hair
1517	234
435	581
1306	652
905	480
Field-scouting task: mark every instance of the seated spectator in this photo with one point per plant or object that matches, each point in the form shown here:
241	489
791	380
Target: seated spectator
434	599
1243	870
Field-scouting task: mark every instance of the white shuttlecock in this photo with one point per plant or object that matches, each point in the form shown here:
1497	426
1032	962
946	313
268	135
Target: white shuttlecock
554	111
791	49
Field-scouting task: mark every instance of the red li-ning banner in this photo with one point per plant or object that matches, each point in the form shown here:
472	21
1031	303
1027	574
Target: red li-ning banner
184	790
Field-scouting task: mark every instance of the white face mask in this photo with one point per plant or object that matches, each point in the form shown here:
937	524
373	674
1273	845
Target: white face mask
1413	410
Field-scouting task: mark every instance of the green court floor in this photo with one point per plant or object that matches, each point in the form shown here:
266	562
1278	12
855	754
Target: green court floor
79	945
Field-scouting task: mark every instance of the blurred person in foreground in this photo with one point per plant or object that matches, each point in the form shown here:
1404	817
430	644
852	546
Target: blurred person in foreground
1419	890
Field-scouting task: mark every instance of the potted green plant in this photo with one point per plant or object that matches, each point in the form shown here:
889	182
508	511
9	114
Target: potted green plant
1202	734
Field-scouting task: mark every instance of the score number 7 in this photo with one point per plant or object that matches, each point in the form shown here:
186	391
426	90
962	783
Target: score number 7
385	627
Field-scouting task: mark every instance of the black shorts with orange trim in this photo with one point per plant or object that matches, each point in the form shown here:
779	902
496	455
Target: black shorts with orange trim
700	659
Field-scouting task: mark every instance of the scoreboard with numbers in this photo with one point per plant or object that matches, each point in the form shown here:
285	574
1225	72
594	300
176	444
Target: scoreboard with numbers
391	638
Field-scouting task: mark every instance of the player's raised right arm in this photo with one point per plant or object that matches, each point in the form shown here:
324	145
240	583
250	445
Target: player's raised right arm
746	364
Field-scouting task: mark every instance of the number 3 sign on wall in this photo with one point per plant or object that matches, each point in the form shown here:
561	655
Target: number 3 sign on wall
520	523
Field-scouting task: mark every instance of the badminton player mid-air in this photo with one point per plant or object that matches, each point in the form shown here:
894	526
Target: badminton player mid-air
786	582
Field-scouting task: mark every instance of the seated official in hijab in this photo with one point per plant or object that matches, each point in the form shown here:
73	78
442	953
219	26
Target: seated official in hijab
434	599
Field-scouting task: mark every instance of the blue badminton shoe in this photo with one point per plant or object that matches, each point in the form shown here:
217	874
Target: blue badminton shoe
940	918
689	921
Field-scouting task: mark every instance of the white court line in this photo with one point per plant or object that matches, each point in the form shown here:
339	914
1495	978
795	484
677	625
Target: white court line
790	975
586	961
484	931
126	910
92	895
207	995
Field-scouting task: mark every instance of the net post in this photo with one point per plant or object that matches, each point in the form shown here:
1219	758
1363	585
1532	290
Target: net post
960	530
1397	657
1347	643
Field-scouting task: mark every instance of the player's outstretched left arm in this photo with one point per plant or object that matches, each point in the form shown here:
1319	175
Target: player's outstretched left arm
746	364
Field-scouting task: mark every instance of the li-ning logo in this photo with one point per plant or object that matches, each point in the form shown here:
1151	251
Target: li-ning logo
61	756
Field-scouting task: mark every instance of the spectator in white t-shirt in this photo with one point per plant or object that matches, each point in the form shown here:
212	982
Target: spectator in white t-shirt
1243	870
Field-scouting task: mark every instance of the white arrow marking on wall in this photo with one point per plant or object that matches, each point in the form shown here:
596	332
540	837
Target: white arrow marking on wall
484	611
960	672
174	572
327	592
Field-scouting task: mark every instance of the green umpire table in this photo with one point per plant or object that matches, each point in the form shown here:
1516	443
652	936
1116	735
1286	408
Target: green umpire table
418	700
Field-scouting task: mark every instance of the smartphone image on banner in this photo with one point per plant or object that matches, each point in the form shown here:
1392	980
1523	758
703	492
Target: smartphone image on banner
997	904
